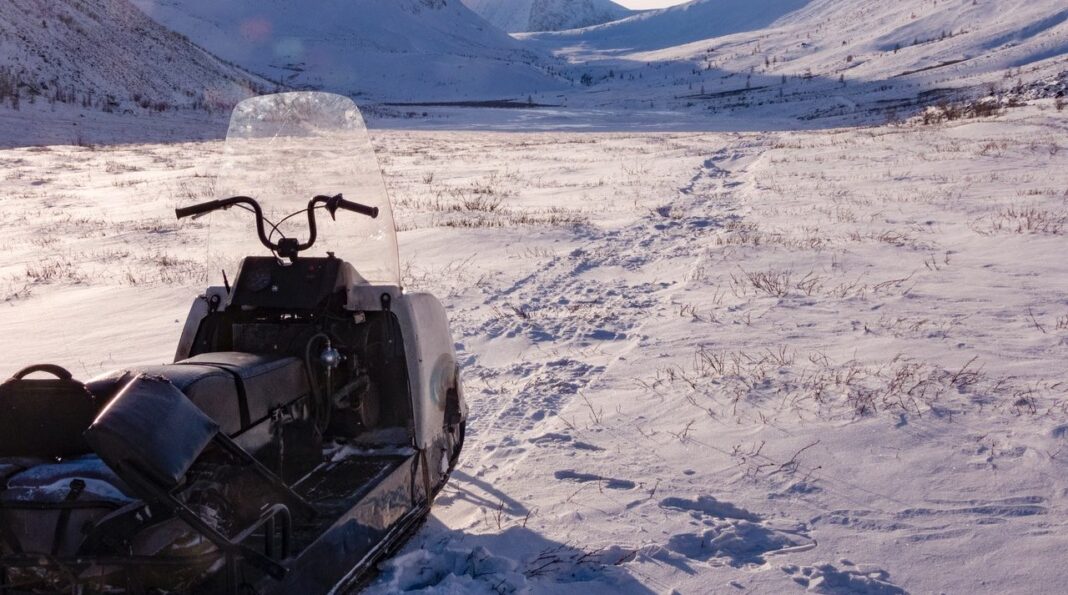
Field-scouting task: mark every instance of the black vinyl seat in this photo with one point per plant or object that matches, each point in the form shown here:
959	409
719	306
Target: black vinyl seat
237	390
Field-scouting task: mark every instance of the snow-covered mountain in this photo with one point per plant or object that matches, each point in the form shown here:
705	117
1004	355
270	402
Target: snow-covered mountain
895	35
685	23
108	54
547	15
401	50
949	40
813	58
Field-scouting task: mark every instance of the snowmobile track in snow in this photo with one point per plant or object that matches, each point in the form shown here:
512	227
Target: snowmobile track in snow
584	308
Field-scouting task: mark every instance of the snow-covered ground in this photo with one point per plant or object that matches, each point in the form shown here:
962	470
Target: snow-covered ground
697	362
736	314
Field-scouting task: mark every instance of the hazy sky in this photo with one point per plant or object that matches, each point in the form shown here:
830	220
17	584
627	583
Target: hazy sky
649	3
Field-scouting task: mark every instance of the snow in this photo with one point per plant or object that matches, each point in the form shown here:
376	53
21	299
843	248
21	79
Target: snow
739	433
451	569
547	15
779	339
823	360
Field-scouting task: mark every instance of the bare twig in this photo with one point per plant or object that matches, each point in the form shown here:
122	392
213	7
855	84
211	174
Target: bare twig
1035	321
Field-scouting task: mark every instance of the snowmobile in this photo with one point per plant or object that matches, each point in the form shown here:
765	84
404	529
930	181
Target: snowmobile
311	414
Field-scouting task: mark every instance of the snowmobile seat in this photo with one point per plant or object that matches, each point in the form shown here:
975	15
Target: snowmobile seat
147	442
264	382
237	390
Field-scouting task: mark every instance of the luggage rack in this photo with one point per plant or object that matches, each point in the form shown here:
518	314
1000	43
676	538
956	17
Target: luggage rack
233	548
275	523
287	544
151	436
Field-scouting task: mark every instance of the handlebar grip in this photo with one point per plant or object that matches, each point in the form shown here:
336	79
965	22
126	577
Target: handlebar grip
355	207
195	210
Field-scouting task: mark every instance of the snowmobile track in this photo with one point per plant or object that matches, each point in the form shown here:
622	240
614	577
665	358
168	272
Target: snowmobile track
587	308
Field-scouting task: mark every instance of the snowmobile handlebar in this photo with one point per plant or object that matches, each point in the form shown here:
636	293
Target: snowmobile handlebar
226	203
196	210
333	203
286	247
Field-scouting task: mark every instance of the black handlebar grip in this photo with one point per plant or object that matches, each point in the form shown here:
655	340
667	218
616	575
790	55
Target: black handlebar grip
194	210
371	212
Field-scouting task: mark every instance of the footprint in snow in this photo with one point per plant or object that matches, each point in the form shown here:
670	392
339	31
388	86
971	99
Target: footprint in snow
709	506
609	482
552	438
849	580
738	543
798	488
732	535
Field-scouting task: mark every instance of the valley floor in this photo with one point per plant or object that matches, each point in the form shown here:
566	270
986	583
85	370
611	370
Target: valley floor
696	362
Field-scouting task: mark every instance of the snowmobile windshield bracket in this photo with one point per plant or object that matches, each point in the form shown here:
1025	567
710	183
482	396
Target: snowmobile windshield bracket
286	247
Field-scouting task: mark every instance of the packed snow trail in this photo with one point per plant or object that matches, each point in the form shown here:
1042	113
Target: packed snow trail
579	317
585	311
549	337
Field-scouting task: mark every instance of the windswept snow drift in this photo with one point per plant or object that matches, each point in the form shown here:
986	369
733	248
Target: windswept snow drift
401	50
108	54
547	15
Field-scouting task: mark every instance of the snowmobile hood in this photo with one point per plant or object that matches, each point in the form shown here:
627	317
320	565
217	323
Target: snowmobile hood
285	149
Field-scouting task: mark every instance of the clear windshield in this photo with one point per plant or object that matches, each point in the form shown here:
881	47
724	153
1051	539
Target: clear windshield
285	149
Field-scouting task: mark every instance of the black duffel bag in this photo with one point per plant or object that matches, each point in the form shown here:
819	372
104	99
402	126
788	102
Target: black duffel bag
44	417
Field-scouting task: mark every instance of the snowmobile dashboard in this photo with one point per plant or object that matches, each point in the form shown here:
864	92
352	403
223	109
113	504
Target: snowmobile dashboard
265	282
285	247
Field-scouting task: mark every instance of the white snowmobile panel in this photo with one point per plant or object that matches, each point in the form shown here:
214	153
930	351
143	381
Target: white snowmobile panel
431	362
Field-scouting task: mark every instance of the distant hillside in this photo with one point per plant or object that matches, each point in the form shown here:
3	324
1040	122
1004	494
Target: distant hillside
684	23
106	54
814	59
400	50
875	39
547	15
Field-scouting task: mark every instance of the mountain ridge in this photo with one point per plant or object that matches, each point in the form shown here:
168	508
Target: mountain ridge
515	16
377	51
106	54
